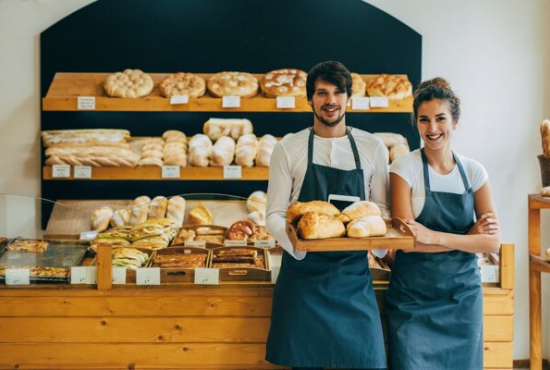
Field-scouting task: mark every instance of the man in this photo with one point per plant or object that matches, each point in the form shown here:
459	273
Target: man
324	308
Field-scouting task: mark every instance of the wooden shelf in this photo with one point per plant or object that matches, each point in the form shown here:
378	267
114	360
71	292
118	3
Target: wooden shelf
539	264
67	87
537	201
155	173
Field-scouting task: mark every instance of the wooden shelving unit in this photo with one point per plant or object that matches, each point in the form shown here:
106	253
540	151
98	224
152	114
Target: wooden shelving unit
67	87
537	265
155	173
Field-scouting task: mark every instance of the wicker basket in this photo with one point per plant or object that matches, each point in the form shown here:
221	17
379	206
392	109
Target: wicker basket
544	170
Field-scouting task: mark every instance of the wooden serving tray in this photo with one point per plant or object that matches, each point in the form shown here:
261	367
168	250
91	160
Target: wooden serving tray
246	273
398	236
180	274
131	273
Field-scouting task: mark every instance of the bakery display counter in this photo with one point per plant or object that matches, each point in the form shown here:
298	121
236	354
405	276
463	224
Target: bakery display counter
156	173
66	88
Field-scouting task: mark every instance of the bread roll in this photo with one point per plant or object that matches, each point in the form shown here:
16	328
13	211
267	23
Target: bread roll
545	192
359	209
256	201
545	136
298	209
176	210
121	217
265	149
247	149
398	150
316	226
157	208
200	215
140	209
215	128
547	255
223	152
101	218
390	138
367	226
257	217
200	149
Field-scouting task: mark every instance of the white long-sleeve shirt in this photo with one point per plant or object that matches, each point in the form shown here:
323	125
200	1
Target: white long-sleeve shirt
288	167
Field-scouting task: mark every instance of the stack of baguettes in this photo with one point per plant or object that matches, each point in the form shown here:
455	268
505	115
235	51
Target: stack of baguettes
94	147
322	220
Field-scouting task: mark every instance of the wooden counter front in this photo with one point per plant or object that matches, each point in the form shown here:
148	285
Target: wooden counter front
177	326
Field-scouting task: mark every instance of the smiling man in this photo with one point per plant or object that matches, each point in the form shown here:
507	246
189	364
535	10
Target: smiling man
324	308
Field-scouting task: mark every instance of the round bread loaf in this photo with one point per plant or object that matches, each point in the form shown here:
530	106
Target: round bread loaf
284	82
390	86
358	86
232	84
183	84
131	83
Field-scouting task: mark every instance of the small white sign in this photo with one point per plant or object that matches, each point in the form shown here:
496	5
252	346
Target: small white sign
119	275
88	235
82	172
86	103
148	276
91	275
234	243
198	243
17	277
286	102
360	103
179	99
206	276
379	102
264	243
171	172
79	274
61	171
231	102
232	172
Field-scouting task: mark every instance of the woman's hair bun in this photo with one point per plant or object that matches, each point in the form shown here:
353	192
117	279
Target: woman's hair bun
435	82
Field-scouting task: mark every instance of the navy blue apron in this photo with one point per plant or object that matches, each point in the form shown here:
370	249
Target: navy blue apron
434	300
324	308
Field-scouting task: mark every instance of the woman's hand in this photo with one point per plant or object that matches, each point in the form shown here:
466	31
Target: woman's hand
423	234
486	224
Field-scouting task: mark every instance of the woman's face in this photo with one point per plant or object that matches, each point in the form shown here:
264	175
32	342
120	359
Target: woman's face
435	124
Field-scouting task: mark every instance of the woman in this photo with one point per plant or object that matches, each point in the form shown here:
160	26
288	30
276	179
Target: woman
434	301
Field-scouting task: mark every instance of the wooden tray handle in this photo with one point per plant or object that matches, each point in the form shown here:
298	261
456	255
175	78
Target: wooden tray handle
401	225
238	272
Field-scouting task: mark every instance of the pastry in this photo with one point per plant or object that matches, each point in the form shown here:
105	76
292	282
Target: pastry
215	128
140	210
223	152
265	149
200	149
247	149
256	201
157	207
359	209
545	136
390	86
182	84
121	217
241	230
298	209
284	82
545	191
101	217
132	83
28	245
358	85
85	137
176	210
366	226
318	226
200	215
398	150
232	84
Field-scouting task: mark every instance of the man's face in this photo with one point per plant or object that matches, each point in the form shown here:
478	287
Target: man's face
328	103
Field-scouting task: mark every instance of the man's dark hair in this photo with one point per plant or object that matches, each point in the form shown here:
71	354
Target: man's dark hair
332	72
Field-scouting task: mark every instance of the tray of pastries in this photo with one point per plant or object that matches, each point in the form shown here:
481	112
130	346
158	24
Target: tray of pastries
178	264
319	226
246	263
199	234
131	258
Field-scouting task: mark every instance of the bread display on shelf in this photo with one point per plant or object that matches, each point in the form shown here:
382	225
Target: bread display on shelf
390	86
545	136
130	258
200	149
232	84
396	143
28	245
101	218
175	210
358	85
265	149
247	149
284	82
223	152
215	128
200	215
131	83
85	138
183	84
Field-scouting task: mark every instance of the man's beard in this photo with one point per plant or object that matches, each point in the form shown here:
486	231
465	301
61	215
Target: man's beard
327	123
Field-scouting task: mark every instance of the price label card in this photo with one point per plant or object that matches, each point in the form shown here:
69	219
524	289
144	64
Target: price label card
206	276
199	244
85	103
17	277
231	102
171	172
234	243
119	275
79	274
82	172
61	171
286	102
360	103
148	276
88	235
232	172
379	102
91	275
264	243
179	99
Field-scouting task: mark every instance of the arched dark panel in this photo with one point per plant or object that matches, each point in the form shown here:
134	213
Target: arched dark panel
214	35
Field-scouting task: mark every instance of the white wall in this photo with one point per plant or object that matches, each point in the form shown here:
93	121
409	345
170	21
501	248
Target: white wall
493	52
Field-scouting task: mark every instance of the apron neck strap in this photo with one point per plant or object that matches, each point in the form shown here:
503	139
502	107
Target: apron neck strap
458	163
351	140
